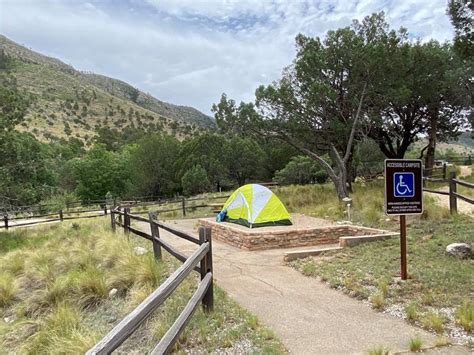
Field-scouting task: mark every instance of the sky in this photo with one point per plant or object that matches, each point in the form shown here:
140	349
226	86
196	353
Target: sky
189	52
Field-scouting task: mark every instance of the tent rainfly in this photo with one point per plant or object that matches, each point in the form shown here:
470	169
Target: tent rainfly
254	205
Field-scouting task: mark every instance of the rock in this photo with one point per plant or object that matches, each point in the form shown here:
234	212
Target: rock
112	292
427	237
459	250
140	251
9	319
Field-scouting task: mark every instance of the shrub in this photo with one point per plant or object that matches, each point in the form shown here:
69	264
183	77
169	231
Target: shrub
300	170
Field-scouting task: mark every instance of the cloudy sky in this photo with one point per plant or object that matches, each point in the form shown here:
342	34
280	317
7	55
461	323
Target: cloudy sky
190	51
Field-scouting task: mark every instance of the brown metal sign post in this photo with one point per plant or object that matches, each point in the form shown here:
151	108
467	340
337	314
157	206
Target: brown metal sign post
403	196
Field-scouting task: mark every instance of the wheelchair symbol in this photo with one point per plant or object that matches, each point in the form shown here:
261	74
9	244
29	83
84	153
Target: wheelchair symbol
404	184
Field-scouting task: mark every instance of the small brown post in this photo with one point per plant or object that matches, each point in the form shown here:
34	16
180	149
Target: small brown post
61	217
206	266
112	220
120	215
403	248
105	209
155	235
453	204
445	171
184	207
126	220
5	221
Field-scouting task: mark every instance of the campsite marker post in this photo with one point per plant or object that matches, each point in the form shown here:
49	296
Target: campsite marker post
403	196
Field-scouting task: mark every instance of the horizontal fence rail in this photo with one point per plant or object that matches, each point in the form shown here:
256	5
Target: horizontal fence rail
452	193
11	220
200	261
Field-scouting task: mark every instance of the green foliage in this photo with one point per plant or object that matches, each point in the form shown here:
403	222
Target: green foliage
301	170
461	13
99	172
244	159
195	181
152	166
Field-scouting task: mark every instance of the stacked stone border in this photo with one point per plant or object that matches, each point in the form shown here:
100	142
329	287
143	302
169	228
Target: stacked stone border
260	239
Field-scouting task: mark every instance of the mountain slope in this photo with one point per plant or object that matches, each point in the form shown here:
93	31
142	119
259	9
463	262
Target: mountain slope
67	102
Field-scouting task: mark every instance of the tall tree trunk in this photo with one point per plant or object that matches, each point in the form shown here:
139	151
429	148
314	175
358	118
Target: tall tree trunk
430	151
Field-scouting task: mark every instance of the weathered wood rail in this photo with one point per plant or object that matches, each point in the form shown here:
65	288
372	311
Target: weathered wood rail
452	193
62	215
200	261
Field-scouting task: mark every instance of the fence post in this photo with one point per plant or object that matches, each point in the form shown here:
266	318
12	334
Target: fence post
120	216
126	220
444	171
5	221
61	218
112	220
453	205
184	207
206	266
155	235
105	209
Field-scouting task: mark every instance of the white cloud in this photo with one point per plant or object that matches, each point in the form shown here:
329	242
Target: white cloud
189	52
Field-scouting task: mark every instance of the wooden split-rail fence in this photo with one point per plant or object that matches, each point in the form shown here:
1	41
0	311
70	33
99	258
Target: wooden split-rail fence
453	190
11	219
200	261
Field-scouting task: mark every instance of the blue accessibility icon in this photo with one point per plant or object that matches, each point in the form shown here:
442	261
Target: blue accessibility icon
404	184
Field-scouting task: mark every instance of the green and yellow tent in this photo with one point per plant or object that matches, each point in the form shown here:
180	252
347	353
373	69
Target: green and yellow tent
255	205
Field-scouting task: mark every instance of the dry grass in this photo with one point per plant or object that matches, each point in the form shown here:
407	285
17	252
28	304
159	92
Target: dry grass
54	295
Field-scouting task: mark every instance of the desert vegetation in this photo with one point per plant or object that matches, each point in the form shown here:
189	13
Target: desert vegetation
64	286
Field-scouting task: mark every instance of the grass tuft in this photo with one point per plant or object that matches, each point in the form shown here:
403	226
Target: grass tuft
433	321
378	301
378	350
412	312
8	289
415	343
464	315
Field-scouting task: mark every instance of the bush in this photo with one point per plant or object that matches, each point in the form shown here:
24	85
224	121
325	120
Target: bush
195	181
300	170
415	343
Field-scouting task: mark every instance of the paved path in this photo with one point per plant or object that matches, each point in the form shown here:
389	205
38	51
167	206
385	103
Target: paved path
308	316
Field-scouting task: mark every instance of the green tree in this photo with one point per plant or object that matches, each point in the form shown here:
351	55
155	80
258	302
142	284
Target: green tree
244	159
98	173
317	105
152	166
195	181
300	170
208	151
461	13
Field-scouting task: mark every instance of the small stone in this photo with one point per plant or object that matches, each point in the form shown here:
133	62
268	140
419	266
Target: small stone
8	319
427	237
459	250
140	251
112	292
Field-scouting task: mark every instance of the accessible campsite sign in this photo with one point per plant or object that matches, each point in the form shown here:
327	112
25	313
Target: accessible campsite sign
403	186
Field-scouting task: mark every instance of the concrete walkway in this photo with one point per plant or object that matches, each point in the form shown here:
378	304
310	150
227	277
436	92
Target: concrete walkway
308	316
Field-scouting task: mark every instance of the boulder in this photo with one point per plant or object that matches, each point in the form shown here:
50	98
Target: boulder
140	251
459	250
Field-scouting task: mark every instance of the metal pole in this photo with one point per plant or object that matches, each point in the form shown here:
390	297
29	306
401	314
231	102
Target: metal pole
403	248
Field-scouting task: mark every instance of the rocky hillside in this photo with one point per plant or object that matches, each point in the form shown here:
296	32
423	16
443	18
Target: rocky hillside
69	103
